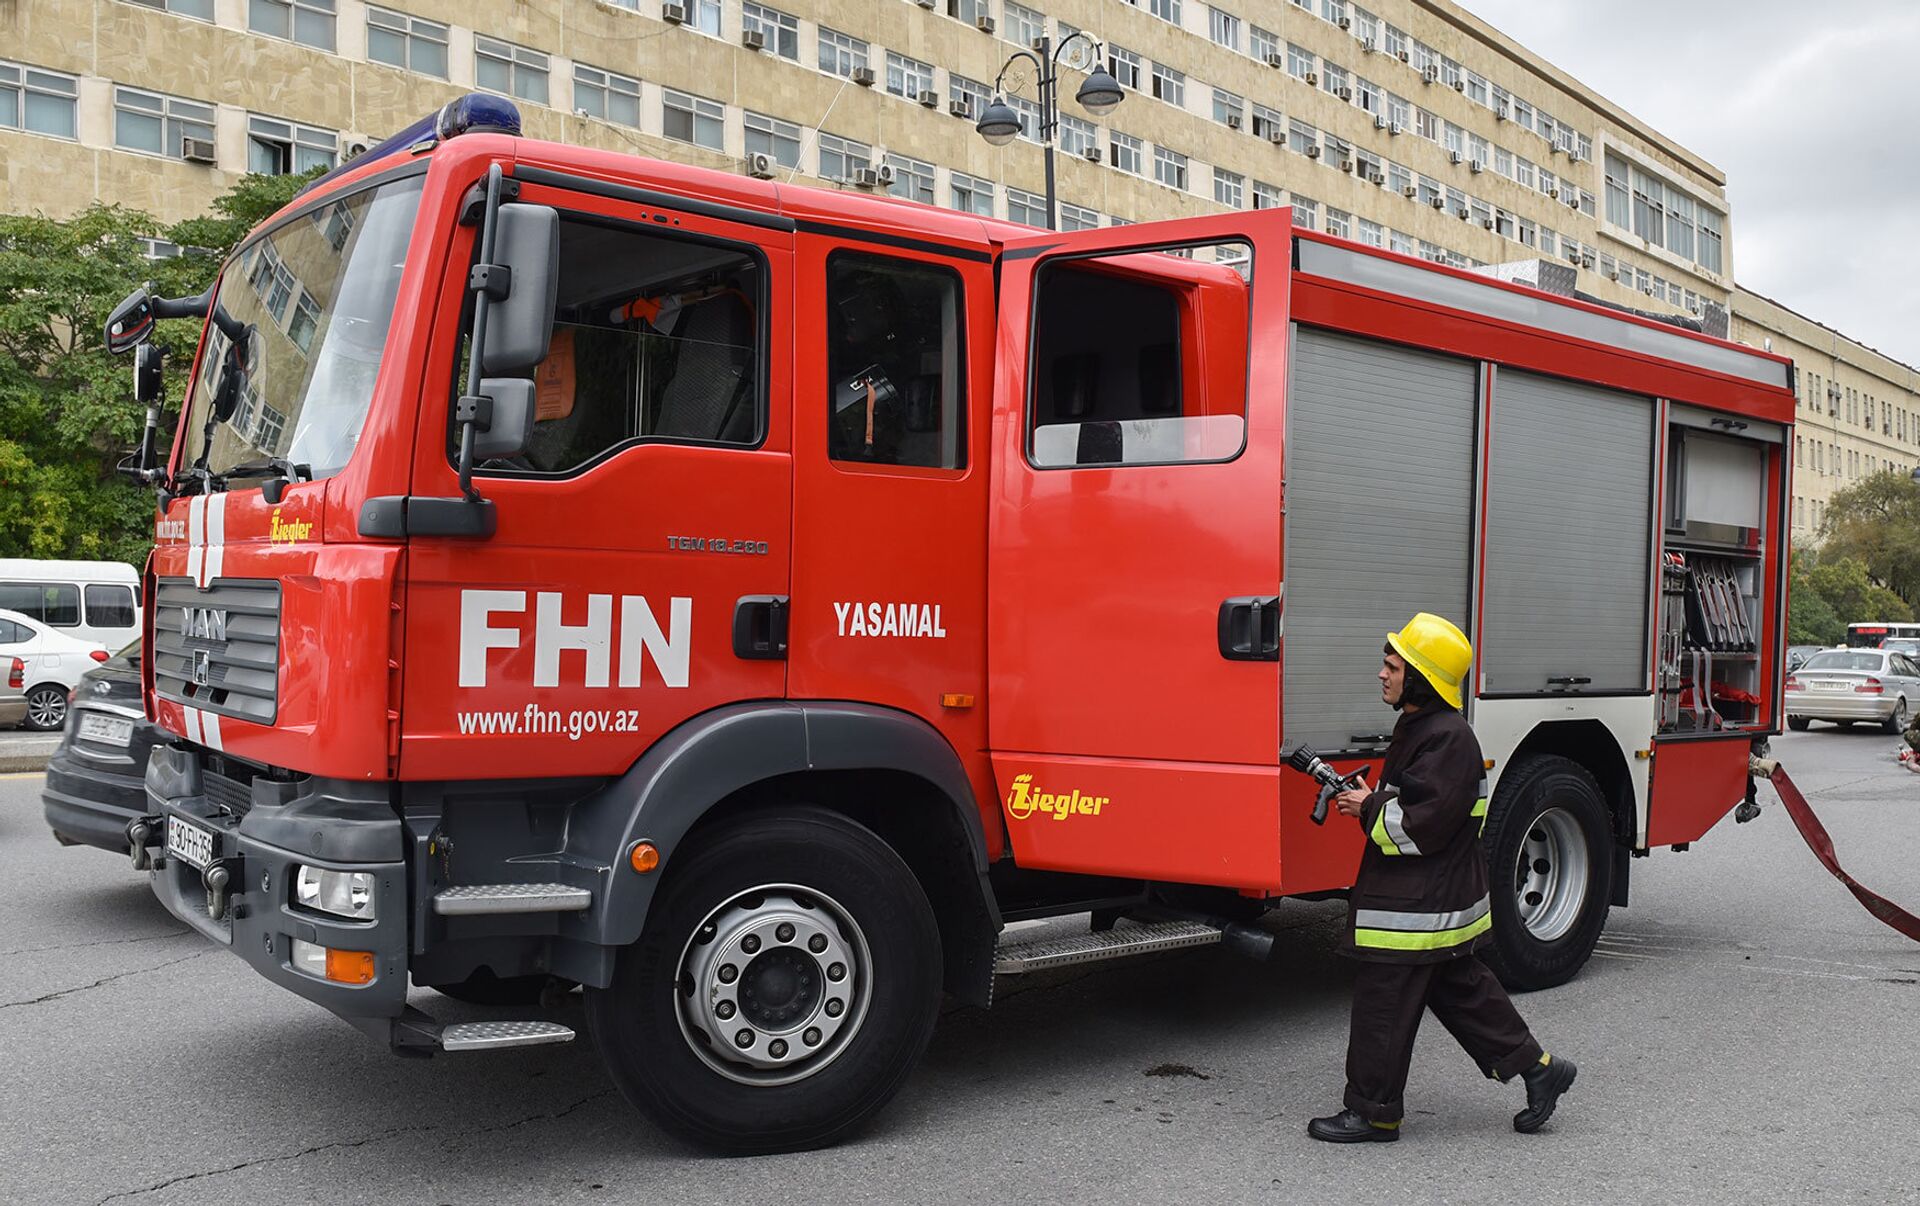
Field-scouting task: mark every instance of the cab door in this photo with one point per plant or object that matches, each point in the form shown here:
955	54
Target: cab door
1135	549
652	509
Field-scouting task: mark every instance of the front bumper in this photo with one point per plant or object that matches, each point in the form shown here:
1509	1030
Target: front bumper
13	710
322	823
1839	705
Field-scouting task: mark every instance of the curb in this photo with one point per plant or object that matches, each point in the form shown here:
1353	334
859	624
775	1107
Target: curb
28	761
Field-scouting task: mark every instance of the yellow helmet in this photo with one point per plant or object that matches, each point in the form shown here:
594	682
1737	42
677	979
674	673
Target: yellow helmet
1436	649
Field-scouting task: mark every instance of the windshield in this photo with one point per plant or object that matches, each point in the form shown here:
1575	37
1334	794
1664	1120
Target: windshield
315	298
1843	661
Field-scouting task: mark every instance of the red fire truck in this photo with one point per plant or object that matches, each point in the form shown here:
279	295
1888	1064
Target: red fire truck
744	601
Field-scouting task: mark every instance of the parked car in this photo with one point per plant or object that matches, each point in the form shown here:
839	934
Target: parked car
96	780
1850	685
93	601
1906	645
52	666
1798	654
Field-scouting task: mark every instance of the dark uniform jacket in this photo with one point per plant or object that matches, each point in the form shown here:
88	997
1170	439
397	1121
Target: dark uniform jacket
1421	896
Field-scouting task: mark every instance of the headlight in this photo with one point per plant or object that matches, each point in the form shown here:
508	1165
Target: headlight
342	893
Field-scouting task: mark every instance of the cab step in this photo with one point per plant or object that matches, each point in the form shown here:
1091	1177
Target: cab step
490	1036
472	899
1018	954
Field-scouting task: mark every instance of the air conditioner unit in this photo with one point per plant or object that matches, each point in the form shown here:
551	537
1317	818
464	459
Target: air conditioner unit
883	172
1439	202
984	25
926	4
878	176
1313	151
1411	191
1275	59
1614	275
1395	128
1431	75
929	98
1648	290
1091	154
1573	255
1405	57
760	165
1554	192
674	14
1233	121
1463	213
1376	178
862	76
1459	84
1313	79
1379	121
1346	23
1500	113
196	150
1487	222
1586	259
960	108
1344	93
1454	157
1276	136
1573	200
753	39
352	146
1477	166
1367	46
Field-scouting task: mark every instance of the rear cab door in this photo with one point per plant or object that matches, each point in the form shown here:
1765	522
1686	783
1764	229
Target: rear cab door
1135	548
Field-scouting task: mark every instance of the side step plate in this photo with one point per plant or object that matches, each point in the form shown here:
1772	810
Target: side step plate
470	899
488	1036
1020	956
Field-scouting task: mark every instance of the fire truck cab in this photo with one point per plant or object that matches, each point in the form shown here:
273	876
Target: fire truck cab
744	600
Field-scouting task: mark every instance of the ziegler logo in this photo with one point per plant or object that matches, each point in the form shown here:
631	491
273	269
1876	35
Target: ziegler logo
1023	802
206	623
287	531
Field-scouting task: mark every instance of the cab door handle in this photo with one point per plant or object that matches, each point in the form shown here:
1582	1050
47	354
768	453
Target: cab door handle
1249	629
760	628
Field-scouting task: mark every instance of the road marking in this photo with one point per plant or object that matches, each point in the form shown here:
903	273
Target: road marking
23	775
1624	955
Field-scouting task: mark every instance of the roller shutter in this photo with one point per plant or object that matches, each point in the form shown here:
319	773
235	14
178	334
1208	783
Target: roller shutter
1569	537
1380	452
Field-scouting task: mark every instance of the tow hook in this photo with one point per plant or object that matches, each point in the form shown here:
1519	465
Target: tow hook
217	880
142	833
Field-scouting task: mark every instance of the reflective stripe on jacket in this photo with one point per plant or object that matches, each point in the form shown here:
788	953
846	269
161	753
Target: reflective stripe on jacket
1421	895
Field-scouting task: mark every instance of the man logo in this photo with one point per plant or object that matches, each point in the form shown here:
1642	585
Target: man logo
1023	802
202	667
206	623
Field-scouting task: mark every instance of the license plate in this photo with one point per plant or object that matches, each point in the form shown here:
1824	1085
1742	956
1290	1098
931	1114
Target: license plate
107	730
1832	686
189	842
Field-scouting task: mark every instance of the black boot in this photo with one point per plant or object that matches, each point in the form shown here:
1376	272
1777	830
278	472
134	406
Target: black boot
1545	1082
1349	1127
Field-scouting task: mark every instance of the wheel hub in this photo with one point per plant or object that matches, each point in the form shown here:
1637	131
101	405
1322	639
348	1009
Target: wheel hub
773	985
1551	873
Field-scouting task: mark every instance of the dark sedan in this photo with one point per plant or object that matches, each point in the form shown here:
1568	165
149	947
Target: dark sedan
96	780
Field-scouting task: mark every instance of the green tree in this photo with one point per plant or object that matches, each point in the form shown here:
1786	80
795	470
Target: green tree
67	416
1853	596
1876	521
1811	620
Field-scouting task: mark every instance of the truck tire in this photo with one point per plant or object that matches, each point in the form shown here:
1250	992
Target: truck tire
785	984
1550	868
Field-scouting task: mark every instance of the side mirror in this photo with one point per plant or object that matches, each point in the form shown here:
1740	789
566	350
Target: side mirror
130	323
149	383
510	429
526	242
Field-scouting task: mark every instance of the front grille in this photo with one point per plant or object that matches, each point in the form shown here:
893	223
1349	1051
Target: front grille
219	649
227	795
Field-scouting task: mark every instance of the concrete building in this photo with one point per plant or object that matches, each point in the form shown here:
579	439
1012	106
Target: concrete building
1416	126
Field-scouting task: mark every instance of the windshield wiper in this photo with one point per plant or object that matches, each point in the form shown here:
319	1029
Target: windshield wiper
278	471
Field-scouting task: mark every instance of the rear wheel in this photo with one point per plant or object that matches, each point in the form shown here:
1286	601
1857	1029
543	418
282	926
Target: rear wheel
1898	721
1798	723
1549	858
47	707
785	984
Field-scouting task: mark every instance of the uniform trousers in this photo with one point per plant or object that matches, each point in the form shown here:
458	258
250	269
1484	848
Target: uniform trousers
1388	999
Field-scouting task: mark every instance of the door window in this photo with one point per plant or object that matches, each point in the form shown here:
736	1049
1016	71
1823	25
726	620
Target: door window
110	606
655	338
55	603
1140	357
896	374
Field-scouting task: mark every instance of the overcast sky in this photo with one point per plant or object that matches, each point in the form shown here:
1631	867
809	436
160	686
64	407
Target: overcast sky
1809	110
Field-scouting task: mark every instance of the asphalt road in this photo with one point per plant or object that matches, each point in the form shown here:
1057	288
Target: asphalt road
1745	1034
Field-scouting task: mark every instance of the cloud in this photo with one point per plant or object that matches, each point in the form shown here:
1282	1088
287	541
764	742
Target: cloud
1807	109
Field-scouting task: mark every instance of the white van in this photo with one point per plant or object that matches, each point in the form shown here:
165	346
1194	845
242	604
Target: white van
93	601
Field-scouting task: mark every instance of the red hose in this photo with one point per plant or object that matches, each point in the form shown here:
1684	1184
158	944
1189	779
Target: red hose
1822	846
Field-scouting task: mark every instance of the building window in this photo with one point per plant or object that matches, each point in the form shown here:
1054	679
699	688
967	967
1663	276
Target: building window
1223	28
1078	217
1029	114
42	102
1399	241
704	15
1166	10
781	31
1710	240
1426	125
1334	80
912	179
1077	136
694	119
1399	112
1124	66
908	77
308	22
1301	136
1339	223
1372	234
509	69
1263	44
1127	152
1395	43
1170	168
606	95
1266	196
776	139
1300	62
1228	109
1229	188
1399	178
147	121
970	11
972	195
971	93
839	53
1169	85
284	148
1028	209
1306	211
1025	26
1523	171
1266	122
1368	96
413	43
840	157
199	9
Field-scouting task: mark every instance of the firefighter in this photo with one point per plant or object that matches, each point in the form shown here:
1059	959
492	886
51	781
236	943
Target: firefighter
1419	908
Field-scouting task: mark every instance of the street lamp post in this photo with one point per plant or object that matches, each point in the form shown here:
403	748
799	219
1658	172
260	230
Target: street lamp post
1000	125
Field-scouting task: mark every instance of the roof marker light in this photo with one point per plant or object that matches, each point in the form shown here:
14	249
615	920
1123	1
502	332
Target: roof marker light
474	113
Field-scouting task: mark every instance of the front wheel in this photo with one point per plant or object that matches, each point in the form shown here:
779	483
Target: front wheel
47	707
785	984
1550	865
